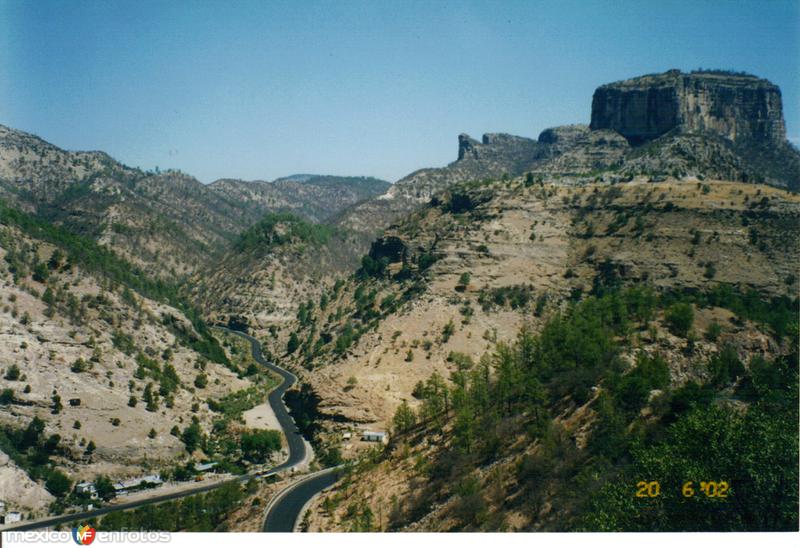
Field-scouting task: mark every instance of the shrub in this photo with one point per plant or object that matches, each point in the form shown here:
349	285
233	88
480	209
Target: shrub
12	373
201	380
713	332
447	332
680	317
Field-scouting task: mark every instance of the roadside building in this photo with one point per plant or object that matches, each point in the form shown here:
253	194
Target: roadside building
12	517
122	487
86	488
379	437
207	467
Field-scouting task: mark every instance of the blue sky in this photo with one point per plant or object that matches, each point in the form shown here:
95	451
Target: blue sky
264	89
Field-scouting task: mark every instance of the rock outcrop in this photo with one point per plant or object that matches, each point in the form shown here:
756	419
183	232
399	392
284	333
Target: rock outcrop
739	107
497	148
704	124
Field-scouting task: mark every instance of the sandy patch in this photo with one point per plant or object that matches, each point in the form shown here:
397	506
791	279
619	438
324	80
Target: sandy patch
261	417
18	491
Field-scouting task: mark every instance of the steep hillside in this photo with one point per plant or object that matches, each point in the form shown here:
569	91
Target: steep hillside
166	222
622	291
484	257
272	268
313	197
105	372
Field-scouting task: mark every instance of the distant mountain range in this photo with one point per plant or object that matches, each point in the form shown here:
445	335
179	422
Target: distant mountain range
167	222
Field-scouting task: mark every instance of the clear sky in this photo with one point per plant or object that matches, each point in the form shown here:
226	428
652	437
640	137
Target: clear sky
257	90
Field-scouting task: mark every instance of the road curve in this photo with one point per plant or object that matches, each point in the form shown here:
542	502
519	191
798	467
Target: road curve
283	514
295	442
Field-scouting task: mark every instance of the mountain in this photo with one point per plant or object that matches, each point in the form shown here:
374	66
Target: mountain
538	325
168	222
616	147
542	321
696	281
314	197
709	124
699	116
273	268
104	369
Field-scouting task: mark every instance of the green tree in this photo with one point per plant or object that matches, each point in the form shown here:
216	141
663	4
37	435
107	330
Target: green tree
57	406
7	396
41	272
192	437
150	398
105	489
293	344
404	418
448	331
258	445
58	483
680	317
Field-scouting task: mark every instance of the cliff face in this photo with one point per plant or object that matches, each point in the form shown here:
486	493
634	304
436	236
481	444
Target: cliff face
741	108
497	148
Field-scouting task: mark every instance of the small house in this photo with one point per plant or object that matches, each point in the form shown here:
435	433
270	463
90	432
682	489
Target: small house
86	488
137	483
373	436
12	517
207	467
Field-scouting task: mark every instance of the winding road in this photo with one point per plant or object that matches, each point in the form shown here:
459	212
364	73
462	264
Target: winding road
283	512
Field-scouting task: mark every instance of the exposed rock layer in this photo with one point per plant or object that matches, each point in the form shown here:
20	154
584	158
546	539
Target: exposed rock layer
737	106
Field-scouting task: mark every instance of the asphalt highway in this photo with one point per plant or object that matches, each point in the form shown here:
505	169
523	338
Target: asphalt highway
295	442
284	513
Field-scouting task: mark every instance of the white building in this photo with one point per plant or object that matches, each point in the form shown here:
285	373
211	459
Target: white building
373	436
86	488
13	517
125	485
207	467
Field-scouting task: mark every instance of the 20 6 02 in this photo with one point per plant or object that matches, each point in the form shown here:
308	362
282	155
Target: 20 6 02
711	489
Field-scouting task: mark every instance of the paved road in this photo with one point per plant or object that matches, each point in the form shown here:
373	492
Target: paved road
284	513
297	445
297	453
